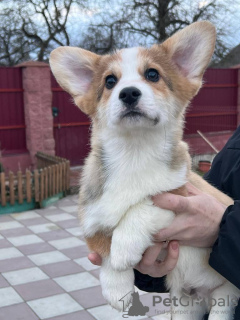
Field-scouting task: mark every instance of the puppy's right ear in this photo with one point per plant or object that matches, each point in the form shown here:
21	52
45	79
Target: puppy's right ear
73	69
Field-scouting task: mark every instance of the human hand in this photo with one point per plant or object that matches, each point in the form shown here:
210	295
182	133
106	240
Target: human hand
197	217
154	268
149	264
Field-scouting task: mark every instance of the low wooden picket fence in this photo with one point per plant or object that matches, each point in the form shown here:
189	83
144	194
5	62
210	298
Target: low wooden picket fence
51	177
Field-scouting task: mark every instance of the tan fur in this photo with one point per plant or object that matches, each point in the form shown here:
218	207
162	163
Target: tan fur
100	243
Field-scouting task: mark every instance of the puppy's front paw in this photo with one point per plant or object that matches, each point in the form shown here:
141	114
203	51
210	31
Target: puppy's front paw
116	286
118	298
124	260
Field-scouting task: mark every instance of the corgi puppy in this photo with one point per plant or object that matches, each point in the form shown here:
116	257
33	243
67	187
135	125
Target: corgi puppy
136	99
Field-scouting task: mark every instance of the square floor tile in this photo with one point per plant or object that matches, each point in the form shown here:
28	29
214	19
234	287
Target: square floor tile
90	297
34	222
100	313
60	217
41	228
10	225
15	264
24	276
53	306
54	235
23	240
6	218
25	215
3	283
86	264
48	257
4	243
59	269
15	232
36	248
70	223
77	281
19	311
67	243
75	253
9	253
38	289
80	315
71	209
77	231
9	296
96	273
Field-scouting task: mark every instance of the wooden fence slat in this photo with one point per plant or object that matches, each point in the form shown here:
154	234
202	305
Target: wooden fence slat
3	189
11	187
60	177
64	176
68	175
20	187
53	181
57	178
41	185
36	185
50	180
46	183
28	186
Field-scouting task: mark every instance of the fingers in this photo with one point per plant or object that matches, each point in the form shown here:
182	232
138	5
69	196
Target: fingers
172	257
160	269
173	202
151	254
95	259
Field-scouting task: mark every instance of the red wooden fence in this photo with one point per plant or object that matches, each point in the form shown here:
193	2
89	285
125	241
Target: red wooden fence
71	127
215	106
12	122
214	109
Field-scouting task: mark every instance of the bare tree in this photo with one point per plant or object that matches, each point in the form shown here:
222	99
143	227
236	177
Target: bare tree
30	29
152	21
33	27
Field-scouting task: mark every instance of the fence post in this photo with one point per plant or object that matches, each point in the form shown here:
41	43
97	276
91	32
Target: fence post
11	187
38	108
3	189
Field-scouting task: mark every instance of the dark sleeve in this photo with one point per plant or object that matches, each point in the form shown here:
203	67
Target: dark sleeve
225	256
225	171
146	283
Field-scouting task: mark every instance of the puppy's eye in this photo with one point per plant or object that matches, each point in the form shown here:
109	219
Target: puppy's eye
110	81
152	75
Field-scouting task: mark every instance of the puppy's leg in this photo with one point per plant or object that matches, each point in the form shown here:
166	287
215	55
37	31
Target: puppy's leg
224	300
116	285
133	235
185	308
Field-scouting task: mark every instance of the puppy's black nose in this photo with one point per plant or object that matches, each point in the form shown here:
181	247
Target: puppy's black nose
129	96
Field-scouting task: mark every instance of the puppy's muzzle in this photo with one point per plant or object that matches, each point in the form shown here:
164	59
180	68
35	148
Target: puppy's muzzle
130	96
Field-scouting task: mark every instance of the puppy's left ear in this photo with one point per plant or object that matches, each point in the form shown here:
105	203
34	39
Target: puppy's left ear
191	49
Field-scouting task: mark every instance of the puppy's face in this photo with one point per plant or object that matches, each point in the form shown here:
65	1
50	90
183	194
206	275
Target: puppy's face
137	87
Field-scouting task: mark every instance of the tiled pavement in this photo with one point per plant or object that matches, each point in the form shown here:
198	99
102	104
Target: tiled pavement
45	273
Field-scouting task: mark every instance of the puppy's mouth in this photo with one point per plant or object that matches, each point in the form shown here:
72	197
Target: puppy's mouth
132	114
136	114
